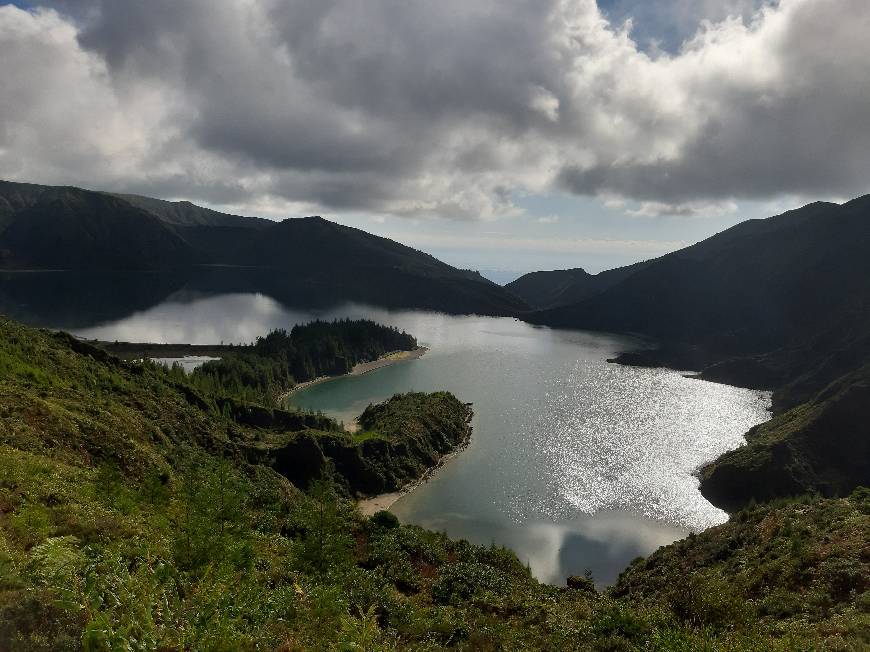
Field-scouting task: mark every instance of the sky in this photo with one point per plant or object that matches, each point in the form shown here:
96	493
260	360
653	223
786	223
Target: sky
499	135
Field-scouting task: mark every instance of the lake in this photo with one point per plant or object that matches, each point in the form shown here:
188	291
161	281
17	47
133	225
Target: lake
574	463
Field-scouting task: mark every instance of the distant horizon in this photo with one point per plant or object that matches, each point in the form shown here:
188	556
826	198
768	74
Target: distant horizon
500	265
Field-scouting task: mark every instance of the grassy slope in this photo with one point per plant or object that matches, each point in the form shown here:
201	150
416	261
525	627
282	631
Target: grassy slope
820	446
792	566
122	528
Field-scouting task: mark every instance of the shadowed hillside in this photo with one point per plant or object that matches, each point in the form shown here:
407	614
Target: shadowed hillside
563	287
759	286
820	446
782	304
43	227
69	228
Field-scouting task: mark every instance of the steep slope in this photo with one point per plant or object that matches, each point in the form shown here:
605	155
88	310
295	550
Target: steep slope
186	214
309	260
215	237
368	268
76	229
822	446
758	287
544	289
802	565
563	287
15	197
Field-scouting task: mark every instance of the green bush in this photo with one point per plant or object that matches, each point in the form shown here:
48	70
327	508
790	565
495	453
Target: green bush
465	581
706	600
385	519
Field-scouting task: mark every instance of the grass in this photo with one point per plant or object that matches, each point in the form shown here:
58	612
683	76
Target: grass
133	517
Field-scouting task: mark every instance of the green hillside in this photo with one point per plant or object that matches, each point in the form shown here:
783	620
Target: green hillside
139	513
801	567
820	446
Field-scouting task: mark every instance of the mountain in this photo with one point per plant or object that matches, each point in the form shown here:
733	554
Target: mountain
563	287
752	296
185	214
371	268
70	228
781	304
45	227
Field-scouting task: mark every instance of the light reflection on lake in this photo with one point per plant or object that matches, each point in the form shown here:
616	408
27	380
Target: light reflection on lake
574	463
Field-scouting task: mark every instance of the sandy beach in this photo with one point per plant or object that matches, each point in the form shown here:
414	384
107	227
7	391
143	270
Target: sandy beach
370	506
365	367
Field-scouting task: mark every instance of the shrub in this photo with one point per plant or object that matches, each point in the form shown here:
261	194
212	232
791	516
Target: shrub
463	581
385	519
704	599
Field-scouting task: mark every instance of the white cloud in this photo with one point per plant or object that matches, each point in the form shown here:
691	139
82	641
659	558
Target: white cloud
685	209
449	108
636	249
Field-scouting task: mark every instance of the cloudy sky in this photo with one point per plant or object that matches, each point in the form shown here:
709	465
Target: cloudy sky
503	135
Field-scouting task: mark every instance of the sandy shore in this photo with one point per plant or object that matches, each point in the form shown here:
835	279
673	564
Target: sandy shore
365	367
369	506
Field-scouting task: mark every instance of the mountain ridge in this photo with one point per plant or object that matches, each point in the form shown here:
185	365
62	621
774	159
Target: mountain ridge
562	287
781	304
749	290
48	227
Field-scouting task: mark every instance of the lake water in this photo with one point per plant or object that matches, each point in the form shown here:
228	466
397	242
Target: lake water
574	463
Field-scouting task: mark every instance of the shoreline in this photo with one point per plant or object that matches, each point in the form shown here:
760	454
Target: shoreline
139	350
361	368
373	504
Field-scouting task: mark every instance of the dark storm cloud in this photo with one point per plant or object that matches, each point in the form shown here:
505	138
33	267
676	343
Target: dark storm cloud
326	85
443	108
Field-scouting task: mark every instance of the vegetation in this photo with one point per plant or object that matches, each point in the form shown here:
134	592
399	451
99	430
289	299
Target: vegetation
563	287
273	364
308	260
820	446
135	514
414	434
797	568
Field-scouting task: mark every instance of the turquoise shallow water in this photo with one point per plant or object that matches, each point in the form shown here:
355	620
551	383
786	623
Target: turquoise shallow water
574	463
